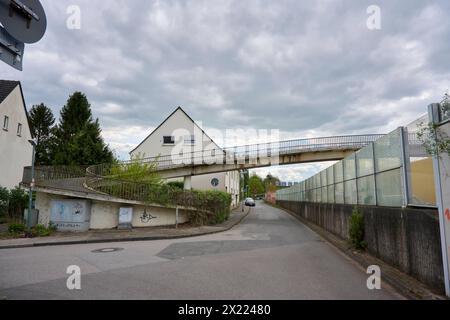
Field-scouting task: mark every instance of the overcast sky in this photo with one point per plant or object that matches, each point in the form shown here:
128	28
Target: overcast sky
307	68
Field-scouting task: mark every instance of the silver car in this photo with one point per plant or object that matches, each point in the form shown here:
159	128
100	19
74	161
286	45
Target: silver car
249	202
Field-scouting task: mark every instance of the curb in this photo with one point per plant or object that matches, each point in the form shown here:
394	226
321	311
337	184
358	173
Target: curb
404	284
131	239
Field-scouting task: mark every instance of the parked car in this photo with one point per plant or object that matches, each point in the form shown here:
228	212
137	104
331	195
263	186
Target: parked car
249	202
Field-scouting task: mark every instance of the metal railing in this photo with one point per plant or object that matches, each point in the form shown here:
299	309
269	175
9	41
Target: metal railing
99	178
247	153
127	190
48	173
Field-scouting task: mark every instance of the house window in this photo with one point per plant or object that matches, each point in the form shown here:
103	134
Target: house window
189	140
19	130
168	140
5	123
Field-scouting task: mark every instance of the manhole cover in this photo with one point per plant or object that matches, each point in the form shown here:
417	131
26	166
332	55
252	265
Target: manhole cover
107	250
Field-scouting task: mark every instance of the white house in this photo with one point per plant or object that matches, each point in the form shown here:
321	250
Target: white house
177	131
15	149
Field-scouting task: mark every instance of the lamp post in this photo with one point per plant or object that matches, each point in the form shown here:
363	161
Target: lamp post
30	195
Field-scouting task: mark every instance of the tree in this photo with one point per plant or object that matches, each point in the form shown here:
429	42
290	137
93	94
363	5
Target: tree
445	107
271	183
77	138
244	182
18	201
256	185
4	201
41	123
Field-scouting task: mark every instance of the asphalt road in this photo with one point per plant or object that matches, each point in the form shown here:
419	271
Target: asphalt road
269	256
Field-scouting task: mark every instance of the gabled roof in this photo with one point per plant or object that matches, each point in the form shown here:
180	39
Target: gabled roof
181	109
6	87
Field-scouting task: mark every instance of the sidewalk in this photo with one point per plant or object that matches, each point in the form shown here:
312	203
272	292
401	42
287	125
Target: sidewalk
137	234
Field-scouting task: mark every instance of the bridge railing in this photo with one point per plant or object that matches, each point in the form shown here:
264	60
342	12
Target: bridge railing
243	154
48	173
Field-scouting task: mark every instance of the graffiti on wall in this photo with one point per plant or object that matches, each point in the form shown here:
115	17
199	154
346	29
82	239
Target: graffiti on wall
146	217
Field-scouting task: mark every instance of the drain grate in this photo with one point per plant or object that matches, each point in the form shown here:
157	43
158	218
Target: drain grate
107	250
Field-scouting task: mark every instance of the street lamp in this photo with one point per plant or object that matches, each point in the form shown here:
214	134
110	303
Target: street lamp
30	195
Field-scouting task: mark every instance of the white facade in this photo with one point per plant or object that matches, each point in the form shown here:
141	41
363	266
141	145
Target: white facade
15	150
187	135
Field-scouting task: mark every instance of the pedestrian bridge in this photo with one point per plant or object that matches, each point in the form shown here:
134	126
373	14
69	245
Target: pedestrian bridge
252	156
97	180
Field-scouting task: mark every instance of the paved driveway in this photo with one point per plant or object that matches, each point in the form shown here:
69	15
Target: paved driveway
270	255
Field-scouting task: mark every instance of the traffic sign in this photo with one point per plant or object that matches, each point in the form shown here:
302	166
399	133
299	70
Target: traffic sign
11	50
24	20
21	21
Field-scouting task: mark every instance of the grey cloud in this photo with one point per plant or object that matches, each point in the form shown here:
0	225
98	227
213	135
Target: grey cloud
306	67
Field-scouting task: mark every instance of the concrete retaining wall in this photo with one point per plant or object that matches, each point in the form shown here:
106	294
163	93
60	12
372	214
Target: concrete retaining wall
105	215
406	238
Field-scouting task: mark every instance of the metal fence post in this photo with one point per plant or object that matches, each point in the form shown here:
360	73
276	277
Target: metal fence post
433	114
374	173
356	179
405	165
343	180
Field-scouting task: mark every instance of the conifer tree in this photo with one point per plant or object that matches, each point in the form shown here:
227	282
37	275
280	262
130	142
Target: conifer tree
41	124
77	138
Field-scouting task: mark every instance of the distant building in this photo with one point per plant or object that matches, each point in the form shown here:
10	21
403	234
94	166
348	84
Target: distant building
286	183
15	150
177	128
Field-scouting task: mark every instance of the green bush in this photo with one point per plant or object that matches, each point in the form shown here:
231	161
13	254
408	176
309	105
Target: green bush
357	229
18	202
41	231
52	227
211	207
16	228
136	170
4	202
177	185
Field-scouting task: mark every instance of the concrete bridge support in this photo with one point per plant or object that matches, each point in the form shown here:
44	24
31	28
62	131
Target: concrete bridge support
187	183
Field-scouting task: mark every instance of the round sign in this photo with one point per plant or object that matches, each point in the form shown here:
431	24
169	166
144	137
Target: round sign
24	20
215	182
